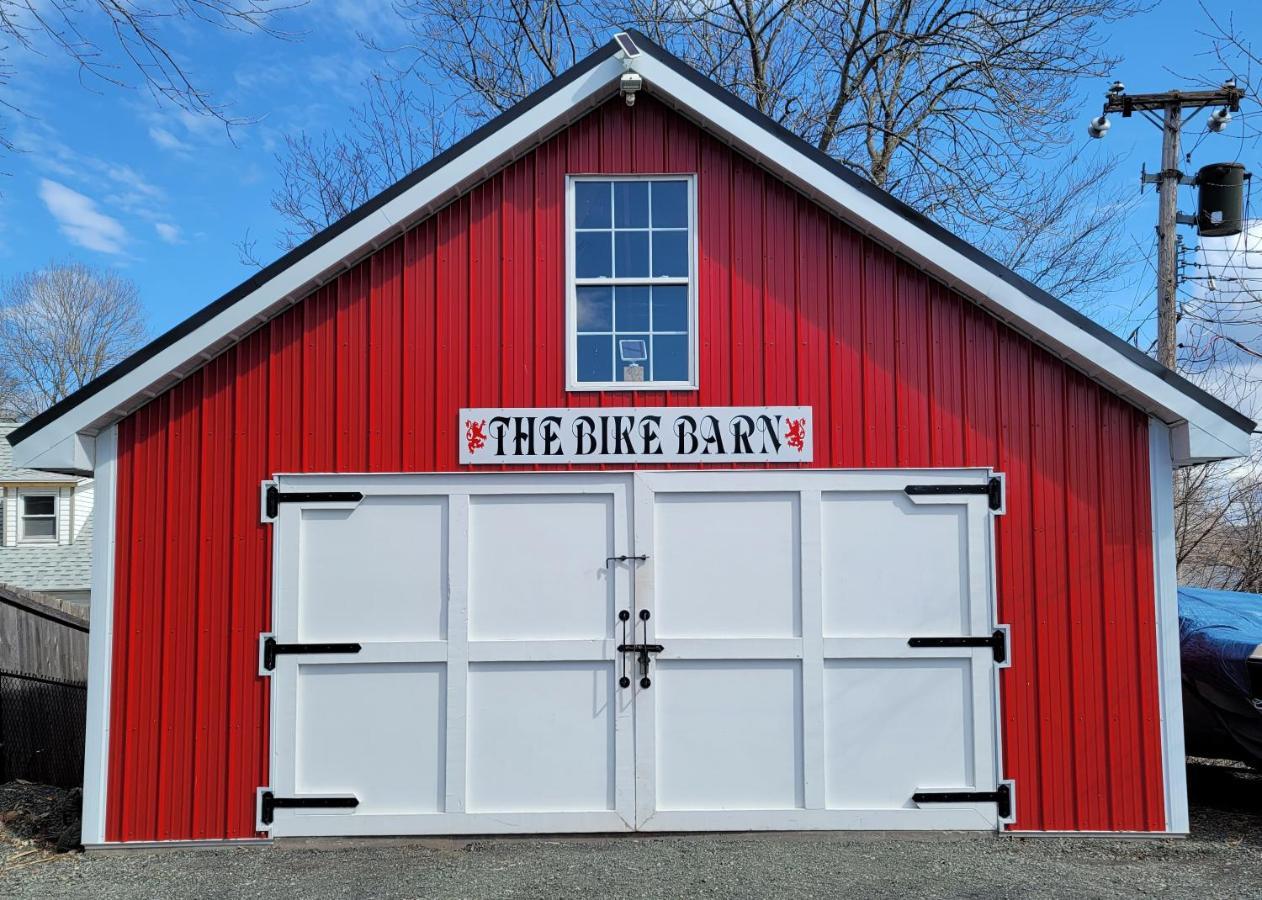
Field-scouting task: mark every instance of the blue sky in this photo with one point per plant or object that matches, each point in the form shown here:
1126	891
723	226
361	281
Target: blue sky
108	177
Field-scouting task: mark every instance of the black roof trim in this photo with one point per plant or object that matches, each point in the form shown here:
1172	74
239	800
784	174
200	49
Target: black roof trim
1064	310
1073	316
315	242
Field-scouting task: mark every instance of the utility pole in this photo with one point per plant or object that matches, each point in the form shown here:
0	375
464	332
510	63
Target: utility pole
1167	219
1170	105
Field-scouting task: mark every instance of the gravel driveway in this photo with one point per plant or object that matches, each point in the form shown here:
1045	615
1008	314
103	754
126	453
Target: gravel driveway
1223	858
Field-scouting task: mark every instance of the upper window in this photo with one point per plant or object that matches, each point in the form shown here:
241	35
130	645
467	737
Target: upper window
632	282
38	519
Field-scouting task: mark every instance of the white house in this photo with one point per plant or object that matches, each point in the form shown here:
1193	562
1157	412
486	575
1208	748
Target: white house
45	529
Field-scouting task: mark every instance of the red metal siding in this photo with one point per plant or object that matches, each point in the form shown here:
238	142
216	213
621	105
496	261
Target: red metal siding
467	309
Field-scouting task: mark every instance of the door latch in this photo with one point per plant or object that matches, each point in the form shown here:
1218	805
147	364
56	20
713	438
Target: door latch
624	558
642	651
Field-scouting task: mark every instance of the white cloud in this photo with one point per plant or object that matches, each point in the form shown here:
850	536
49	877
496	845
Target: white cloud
205	127
166	140
79	219
168	232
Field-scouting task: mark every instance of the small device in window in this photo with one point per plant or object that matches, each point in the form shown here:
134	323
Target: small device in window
633	352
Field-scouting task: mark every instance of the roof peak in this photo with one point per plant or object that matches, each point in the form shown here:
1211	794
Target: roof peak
61	436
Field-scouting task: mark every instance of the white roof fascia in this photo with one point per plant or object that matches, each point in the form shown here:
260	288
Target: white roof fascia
1205	434
54	446
1199	434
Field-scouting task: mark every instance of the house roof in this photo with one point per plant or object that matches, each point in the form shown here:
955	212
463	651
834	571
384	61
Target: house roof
52	567
1204	428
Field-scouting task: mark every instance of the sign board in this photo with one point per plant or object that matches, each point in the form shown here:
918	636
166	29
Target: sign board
661	434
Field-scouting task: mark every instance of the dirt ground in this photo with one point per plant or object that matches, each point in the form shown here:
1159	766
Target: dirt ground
1222	858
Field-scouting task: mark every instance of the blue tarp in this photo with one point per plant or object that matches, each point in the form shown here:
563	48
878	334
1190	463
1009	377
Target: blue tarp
1218	632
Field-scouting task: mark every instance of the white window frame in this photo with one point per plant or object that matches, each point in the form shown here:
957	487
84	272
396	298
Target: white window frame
571	289
20	512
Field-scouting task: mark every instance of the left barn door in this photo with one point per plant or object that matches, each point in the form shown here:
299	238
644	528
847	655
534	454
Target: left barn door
484	694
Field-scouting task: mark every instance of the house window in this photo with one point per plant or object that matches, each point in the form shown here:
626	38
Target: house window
632	292
38	520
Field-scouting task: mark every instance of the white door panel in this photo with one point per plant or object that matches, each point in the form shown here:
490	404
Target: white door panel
518	587
552	752
483	697
396	590
729	734
727	565
893	566
895	726
785	694
347	746
780	690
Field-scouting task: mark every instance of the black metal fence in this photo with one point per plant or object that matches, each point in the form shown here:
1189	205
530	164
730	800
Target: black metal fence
42	729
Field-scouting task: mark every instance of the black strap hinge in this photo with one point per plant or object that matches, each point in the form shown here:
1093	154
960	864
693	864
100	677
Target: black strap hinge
997	642
275	497
269	802
271	649
1001	797
993	489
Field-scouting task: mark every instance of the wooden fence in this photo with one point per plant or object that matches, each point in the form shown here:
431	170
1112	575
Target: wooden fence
43	691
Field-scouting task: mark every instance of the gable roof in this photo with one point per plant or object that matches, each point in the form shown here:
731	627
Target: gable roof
1204	428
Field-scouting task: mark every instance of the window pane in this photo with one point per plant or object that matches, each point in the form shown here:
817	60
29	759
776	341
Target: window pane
670	204
40	528
631	204
634	344
631	252
670	357
591	204
595	309
670	308
39	506
670	253
595	357
591	254
632	312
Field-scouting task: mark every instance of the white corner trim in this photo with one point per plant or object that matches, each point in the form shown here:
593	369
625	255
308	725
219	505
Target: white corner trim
100	639
1170	680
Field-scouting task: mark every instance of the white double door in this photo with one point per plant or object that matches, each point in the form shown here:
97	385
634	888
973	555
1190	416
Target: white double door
486	694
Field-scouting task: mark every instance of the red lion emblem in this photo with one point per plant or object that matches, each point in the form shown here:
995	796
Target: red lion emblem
475	434
795	437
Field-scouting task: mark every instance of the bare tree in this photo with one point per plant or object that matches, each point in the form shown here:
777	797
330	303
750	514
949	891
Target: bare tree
965	109
325	177
60	327
122	42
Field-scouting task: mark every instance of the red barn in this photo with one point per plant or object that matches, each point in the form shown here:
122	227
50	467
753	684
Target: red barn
632	466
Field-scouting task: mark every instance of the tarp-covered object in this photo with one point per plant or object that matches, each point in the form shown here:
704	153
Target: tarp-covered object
1220	633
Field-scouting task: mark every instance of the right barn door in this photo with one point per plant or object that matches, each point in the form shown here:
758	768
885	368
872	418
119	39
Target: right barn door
821	651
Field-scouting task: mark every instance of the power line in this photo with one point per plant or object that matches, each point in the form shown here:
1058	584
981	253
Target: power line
1171	105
